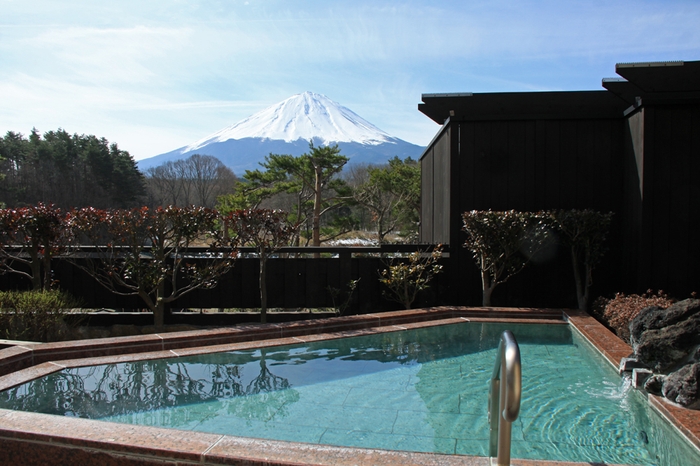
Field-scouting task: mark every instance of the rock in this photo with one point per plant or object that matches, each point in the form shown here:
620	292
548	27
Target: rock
654	384
696	355
667	339
654	318
683	386
665	349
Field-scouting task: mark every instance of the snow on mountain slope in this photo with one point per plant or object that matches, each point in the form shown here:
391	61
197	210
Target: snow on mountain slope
302	116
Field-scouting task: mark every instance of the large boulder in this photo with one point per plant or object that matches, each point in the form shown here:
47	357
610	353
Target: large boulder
668	342
654	318
665	339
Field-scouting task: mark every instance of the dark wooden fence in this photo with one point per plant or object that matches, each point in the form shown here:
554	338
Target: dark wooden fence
296	279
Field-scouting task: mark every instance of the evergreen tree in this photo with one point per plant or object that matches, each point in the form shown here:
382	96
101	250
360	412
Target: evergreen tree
311	179
67	170
391	194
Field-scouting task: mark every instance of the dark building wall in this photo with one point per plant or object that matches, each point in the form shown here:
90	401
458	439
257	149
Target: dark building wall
669	235
435	189
525	165
643	167
633	149
534	165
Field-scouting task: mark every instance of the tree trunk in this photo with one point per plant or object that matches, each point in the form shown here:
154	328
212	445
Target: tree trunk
35	266
36	275
47	272
581	287
316	233
486	296
487	286
263	287
159	314
406	296
159	308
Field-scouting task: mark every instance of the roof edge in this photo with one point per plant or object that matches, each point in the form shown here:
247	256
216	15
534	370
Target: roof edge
650	64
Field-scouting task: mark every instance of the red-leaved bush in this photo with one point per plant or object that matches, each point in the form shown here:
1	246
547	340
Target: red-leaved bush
617	313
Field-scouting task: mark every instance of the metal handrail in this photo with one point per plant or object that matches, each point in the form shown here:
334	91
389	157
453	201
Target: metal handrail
504	398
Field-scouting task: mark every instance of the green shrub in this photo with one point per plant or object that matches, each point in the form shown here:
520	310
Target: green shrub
404	280
34	315
617	313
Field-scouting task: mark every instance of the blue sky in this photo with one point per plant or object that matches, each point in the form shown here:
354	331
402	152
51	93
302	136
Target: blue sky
156	75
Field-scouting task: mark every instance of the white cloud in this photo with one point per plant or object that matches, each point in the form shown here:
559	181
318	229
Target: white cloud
105	56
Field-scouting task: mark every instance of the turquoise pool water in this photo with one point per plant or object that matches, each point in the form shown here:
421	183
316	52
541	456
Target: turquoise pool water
420	390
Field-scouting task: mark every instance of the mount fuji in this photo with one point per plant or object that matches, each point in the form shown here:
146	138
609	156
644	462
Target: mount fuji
287	128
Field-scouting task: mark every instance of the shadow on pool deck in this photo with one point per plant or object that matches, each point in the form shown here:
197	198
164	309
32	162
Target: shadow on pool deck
38	439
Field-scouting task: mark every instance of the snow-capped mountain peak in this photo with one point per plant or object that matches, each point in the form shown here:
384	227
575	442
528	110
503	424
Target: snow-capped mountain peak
303	116
287	128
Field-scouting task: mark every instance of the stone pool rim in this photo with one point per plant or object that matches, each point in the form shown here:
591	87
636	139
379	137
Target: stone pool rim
33	438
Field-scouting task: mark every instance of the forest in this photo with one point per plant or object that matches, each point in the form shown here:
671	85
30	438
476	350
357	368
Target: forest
68	171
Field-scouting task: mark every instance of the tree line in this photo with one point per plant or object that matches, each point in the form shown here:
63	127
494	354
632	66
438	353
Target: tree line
67	170
322	195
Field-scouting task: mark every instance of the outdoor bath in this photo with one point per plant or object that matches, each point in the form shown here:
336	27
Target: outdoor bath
251	435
